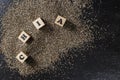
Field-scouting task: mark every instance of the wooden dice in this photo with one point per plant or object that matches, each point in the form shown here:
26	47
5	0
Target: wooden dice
60	21
23	36
38	23
21	57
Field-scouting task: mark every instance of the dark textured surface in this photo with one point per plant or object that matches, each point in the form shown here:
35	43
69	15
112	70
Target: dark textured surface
102	62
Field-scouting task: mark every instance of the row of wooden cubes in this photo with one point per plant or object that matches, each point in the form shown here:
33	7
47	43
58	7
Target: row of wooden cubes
38	23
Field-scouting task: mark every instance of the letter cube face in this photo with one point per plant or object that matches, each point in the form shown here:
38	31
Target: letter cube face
22	57
60	21
38	23
23	37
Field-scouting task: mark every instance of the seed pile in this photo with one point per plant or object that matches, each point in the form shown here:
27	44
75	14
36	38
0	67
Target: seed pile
48	44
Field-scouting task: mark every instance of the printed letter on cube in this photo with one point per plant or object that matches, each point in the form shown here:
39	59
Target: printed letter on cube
60	21
23	37
21	57
38	23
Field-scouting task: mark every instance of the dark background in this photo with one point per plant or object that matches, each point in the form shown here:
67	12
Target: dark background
101	62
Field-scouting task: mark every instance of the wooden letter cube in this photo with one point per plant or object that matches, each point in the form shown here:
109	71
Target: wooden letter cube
60	21
38	23
23	37
22	57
